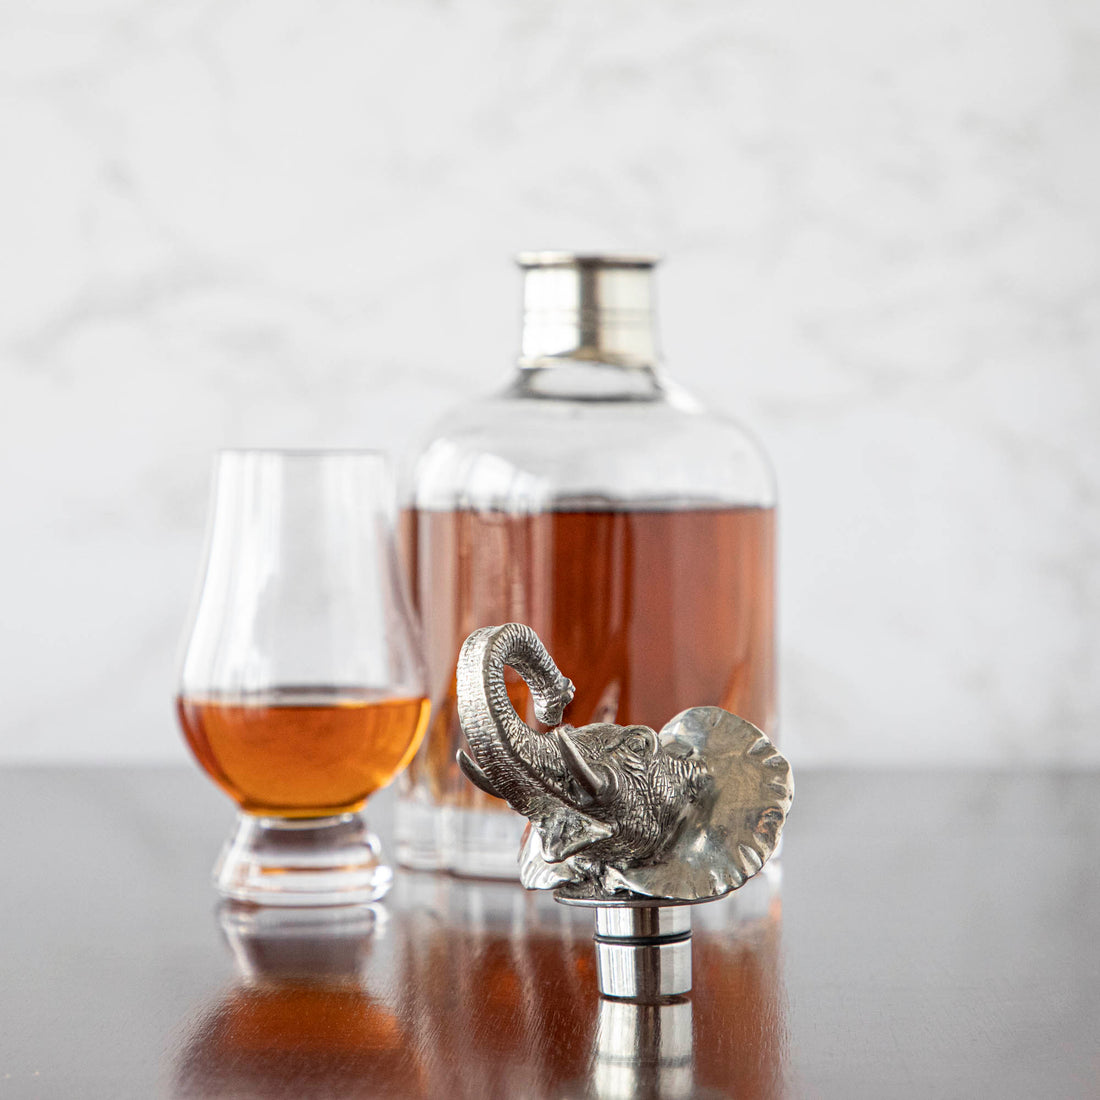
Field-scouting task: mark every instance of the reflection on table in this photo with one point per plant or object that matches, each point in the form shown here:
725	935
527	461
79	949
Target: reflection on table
473	989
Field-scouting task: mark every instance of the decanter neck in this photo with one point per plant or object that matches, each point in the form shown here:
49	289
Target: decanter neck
589	308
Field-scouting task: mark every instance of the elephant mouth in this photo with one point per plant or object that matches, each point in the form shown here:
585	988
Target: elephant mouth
565	833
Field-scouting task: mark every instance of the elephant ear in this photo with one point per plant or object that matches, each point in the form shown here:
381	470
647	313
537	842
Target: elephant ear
732	828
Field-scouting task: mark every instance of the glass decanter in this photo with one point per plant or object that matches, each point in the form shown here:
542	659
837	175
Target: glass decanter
596	501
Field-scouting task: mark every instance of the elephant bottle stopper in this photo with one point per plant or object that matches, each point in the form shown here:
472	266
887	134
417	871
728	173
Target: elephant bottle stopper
634	824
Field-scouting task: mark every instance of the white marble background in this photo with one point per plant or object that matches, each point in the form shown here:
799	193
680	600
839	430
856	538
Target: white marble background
289	222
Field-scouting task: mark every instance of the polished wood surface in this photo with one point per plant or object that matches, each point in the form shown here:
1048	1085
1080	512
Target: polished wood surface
932	935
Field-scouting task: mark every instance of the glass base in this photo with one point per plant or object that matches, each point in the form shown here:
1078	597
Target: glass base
418	832
483	843
468	843
311	861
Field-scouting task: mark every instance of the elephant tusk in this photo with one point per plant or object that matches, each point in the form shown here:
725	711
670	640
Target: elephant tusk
475	775
599	787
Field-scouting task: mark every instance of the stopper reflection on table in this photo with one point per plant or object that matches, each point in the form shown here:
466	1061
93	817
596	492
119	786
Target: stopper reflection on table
635	824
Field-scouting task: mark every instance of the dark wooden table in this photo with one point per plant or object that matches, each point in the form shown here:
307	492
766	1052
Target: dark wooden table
933	936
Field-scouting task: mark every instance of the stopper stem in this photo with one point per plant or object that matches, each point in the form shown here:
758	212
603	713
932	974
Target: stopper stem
643	953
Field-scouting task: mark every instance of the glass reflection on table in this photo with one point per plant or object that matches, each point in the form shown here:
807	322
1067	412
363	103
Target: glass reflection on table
299	1020
477	989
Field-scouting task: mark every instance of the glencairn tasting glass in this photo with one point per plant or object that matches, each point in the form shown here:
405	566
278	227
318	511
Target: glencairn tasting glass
593	499
303	684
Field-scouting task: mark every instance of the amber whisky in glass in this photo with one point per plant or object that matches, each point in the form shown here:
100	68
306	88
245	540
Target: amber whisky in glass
303	688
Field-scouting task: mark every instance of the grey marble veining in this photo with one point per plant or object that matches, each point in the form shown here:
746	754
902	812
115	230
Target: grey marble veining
289	223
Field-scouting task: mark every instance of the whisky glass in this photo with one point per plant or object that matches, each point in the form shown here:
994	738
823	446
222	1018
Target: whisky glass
303	688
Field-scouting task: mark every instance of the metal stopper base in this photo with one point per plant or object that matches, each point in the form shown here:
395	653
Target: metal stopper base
643	948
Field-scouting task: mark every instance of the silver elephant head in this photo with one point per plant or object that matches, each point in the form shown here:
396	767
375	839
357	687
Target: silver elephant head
690	813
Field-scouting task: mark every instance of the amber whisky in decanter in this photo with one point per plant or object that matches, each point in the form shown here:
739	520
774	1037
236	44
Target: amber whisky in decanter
594	500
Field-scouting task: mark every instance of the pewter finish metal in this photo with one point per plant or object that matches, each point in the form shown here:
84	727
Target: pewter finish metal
643	972
690	813
644	1050
643	922
643	953
585	895
593	308
620	812
511	760
554	258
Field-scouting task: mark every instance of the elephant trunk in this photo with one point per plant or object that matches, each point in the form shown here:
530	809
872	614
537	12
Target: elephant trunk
513	761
